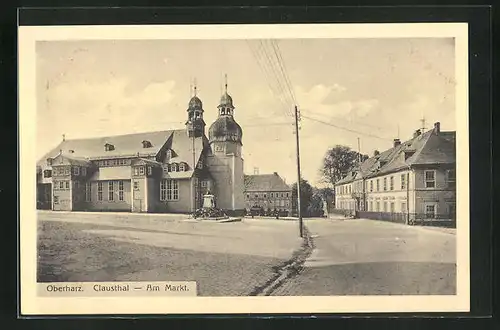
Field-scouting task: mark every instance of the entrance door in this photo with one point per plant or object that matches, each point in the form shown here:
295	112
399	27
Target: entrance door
137	203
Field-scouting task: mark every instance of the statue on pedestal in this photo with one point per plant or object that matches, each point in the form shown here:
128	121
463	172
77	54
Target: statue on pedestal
208	200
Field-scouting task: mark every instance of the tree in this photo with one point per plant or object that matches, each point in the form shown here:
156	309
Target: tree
337	162
315	206
306	193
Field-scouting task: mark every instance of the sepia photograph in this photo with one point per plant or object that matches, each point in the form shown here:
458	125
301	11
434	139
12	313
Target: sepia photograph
266	163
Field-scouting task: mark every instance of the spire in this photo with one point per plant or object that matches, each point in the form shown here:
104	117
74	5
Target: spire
64	137
195	87
225	82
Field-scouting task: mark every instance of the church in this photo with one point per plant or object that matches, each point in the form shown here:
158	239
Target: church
156	172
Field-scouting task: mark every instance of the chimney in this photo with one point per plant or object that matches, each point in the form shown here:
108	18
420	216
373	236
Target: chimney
275	173
417	133
397	142
437	127
376	153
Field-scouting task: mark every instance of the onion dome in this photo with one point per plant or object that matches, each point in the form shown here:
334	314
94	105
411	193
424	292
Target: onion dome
225	128
226	101
195	103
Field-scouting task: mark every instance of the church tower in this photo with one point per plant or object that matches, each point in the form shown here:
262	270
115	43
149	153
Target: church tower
195	125
225	139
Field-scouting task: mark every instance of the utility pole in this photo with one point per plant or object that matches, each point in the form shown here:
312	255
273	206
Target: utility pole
299	209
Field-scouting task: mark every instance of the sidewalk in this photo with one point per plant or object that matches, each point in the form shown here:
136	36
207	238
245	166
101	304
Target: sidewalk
451	231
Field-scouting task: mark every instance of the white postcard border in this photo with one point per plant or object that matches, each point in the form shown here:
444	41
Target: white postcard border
31	304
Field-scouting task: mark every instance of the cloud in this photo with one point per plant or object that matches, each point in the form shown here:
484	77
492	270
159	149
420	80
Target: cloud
106	107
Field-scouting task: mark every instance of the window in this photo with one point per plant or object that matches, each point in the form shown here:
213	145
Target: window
451	178
109	147
265	195
282	195
287	203
248	196
378	185
371	206
173	167
385	206
99	191
403	181
120	190
49	161
430	179
84	171
392	207
182	167
136	185
256	195
146	144
56	199
430	211
150	170
168	154
141	170
403	207
385	184
169	190
67	171
287	195
371	185
391	183
88	191
377	204
111	189
67	184
77	185
76	170
47	173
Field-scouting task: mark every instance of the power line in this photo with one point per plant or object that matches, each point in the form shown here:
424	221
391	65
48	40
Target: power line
341	119
267	77
269	58
282	64
346	129
275	74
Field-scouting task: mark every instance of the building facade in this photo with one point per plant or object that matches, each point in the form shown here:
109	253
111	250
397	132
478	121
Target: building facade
269	192
165	171
411	182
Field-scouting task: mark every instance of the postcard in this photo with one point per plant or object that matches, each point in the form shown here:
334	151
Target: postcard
208	169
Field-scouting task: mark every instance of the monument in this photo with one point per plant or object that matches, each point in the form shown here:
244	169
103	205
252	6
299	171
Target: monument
209	211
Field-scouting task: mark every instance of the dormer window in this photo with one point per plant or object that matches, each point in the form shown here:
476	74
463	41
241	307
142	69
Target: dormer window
408	154
146	144
109	147
49	161
169	154
71	151
47	173
182	167
173	167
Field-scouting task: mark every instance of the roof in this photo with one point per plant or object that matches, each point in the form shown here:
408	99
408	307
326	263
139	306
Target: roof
69	159
265	182
130	145
125	145
428	148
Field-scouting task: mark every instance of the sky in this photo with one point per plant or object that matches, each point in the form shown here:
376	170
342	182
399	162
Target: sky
374	90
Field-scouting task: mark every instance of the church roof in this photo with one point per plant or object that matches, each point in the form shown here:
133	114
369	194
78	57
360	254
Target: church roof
225	128
130	145
265	182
